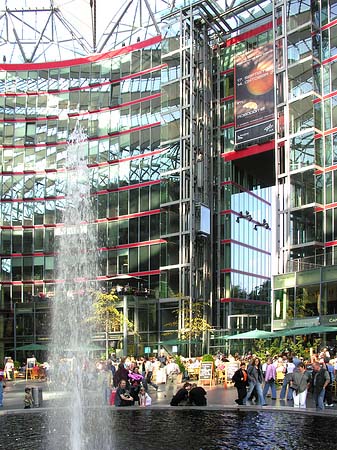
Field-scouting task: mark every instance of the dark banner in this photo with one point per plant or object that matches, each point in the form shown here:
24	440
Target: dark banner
258	133
254	95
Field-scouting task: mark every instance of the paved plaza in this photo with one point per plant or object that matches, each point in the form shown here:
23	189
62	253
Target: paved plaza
217	397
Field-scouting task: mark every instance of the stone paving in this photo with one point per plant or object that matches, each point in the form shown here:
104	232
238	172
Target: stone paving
218	397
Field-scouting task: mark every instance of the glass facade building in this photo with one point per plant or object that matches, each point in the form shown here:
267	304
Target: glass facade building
304	289
211	152
115	99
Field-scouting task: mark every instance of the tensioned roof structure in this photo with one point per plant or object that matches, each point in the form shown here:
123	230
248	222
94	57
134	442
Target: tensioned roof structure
53	30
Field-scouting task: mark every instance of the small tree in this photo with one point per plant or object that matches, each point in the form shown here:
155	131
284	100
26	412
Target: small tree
106	313
193	323
107	316
190	321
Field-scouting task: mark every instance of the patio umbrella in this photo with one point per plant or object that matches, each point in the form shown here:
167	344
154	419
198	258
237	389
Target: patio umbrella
84	348
253	334
32	347
179	341
306	330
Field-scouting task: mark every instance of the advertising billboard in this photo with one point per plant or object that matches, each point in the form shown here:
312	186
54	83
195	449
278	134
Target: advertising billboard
254	95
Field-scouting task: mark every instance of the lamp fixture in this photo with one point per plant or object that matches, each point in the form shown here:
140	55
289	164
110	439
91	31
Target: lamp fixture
263	224
247	216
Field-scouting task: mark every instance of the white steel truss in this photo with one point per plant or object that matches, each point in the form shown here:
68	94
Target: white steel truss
52	30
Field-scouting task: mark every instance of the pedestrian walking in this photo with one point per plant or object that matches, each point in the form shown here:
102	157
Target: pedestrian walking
255	378
320	380
270	380
299	382
240	380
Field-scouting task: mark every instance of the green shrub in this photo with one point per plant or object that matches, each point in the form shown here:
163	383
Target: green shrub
177	360
17	365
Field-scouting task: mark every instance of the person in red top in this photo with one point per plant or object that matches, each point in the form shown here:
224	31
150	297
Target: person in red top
240	380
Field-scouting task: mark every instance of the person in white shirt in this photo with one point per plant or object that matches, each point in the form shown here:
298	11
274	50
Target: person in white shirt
195	364
9	369
172	370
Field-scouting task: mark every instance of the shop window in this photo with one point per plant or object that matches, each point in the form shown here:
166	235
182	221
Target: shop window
308	302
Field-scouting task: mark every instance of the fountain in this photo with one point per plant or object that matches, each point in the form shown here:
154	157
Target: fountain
182	428
71	331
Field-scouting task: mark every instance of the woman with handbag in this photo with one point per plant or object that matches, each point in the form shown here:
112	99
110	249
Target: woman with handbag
299	383
269	379
255	379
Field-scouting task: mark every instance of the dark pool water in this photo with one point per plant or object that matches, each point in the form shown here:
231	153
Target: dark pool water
183	430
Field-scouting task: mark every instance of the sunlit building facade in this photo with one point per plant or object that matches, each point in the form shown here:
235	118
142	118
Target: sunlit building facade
306	55
211	153
115	99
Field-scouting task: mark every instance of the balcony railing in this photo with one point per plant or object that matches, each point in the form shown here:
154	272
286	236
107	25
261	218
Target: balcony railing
307	263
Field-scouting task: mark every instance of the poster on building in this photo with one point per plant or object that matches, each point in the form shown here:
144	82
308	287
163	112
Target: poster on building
254	95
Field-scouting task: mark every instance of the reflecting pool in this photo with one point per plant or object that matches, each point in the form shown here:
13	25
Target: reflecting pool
172	429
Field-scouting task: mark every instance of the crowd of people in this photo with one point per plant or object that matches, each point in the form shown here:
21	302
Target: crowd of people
132	379
129	381
254	379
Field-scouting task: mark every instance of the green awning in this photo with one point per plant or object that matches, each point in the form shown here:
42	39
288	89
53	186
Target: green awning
253	334
85	348
179	342
32	347
304	331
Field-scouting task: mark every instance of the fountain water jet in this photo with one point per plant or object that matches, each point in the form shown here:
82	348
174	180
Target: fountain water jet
77	261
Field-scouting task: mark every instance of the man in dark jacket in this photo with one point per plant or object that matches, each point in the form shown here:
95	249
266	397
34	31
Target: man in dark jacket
181	396
320	380
240	380
197	396
121	374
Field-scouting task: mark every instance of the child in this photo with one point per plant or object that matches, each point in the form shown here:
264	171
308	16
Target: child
28	400
144	398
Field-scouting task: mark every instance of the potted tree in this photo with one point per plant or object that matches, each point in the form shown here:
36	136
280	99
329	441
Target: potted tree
182	368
